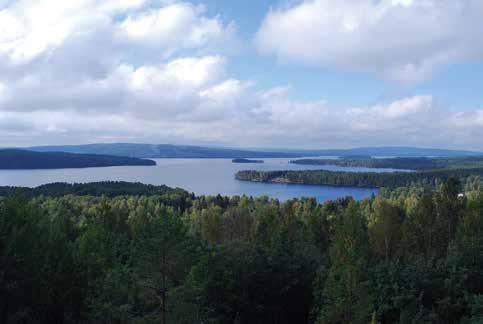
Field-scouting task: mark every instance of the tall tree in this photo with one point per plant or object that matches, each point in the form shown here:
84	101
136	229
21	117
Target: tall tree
346	294
163	255
385	228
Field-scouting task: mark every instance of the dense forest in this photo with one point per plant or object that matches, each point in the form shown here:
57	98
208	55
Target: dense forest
409	255
415	163
362	179
12	159
168	196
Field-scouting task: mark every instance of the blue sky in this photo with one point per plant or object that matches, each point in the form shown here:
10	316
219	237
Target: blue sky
273	73
457	85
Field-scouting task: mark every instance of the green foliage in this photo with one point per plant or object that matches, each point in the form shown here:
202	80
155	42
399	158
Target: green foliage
97	254
431	179
419	163
346	296
385	228
163	254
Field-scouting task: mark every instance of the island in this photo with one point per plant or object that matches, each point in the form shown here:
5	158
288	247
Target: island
17	159
361	179
246	161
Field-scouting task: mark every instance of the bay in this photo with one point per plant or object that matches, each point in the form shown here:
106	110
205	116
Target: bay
200	176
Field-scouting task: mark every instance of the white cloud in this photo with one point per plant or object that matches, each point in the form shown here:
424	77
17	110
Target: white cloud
178	25
401	40
3	94
30	29
109	71
158	104
81	54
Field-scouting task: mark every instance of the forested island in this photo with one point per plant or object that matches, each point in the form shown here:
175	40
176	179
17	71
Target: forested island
14	159
361	179
129	253
404	163
246	161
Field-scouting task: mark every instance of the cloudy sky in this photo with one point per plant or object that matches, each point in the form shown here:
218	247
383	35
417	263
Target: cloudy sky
253	73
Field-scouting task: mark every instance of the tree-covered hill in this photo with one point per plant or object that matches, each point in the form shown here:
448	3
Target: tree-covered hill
175	197
95	189
12	159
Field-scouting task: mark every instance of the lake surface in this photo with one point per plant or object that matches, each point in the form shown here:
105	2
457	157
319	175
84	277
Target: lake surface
201	176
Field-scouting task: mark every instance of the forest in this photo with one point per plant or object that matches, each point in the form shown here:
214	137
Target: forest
97	189
363	179
70	254
13	159
404	163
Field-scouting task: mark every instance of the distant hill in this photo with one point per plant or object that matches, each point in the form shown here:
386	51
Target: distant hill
189	151
396	151
12	159
162	151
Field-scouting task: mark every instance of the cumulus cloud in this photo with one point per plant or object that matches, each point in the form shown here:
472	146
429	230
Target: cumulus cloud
88	58
33	31
158	104
403	40
155	71
180	25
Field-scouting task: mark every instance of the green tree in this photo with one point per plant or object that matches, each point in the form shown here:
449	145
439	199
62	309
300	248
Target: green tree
385	229
163	255
449	207
423	235
346	295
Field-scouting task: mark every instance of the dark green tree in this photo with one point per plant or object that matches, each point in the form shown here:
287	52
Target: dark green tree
346	293
163	255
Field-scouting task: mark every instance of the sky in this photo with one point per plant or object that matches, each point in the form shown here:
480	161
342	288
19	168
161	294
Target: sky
253	73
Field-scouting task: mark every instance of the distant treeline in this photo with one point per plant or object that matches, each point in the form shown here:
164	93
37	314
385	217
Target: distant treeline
13	159
246	161
390	163
168	196
358	179
414	163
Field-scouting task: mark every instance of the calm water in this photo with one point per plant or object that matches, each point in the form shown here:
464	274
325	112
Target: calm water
201	176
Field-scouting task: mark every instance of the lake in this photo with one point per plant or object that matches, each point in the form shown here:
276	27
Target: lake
201	176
